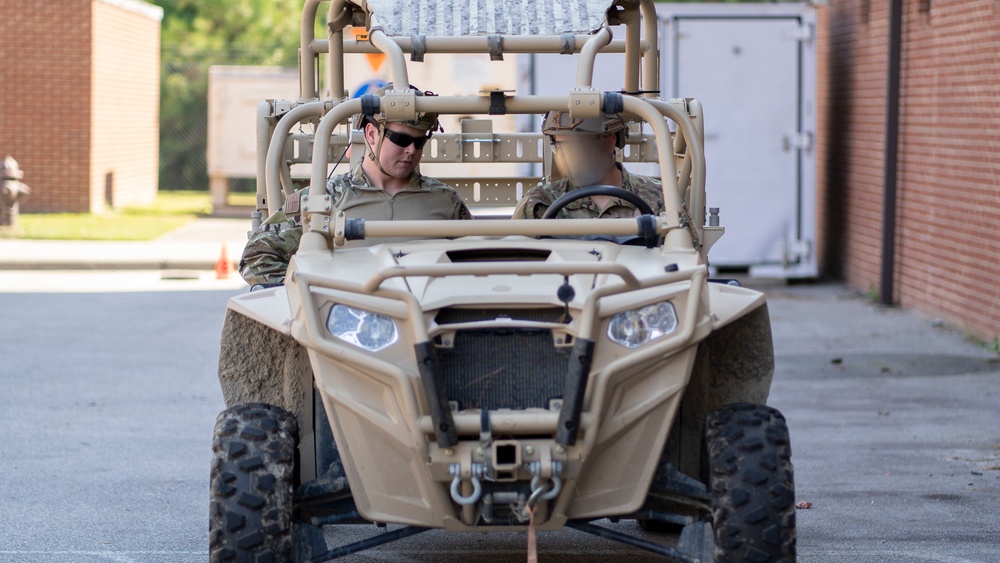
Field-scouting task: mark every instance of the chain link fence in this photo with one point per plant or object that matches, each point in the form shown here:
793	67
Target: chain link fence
183	125
184	119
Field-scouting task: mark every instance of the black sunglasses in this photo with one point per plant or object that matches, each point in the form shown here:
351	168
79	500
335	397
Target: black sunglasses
403	140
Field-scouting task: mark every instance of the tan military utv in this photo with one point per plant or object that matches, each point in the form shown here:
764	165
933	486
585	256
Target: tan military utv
496	375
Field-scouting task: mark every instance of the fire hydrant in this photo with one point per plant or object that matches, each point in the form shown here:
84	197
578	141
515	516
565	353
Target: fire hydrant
12	189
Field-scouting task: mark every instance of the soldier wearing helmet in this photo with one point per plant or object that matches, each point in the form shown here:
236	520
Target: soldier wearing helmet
396	161
385	186
583	151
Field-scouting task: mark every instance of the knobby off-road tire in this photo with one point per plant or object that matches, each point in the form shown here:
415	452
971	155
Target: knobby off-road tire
252	478
752	485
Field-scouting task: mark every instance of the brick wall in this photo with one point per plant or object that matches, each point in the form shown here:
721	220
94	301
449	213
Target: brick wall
948	213
64	115
949	207
822	141
126	99
45	99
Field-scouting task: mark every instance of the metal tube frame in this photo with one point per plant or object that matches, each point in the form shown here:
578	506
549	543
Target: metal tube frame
263	143
637	48
387	537
586	329
397	60
307	57
313	241
335	59
434	228
693	143
514	423
270	168
675	239
661	349
273	165
513	44
588	56
651	55
630	17
605	533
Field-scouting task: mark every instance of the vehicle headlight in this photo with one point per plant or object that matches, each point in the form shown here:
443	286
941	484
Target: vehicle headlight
639	326
368	330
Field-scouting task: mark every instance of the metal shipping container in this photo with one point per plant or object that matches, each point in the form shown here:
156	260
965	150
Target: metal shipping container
753	67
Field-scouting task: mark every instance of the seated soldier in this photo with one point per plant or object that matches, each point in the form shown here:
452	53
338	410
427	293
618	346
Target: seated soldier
386	186
584	150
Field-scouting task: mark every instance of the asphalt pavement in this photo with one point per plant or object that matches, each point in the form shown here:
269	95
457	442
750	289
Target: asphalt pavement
895	430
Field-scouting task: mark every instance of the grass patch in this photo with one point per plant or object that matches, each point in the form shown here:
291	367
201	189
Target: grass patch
169	211
872	294
992	346
246	199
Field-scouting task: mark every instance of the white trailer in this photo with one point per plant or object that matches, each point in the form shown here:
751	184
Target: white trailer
753	68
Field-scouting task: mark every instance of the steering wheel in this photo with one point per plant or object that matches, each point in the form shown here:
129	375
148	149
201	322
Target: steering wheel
648	239
602	189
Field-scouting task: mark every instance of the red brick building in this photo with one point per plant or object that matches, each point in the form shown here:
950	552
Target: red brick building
79	101
947	236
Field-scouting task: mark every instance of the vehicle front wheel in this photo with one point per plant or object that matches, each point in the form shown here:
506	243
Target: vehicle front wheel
252	477
752	485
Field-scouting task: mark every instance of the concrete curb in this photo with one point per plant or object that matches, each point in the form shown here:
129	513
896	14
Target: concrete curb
85	255
107	265
196	246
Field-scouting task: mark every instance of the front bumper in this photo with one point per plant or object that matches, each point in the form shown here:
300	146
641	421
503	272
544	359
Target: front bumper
411	459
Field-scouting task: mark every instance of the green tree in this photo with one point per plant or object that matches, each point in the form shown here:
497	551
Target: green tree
196	34
250	31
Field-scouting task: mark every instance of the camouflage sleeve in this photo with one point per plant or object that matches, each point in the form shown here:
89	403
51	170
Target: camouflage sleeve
649	189
270	248
533	204
461	211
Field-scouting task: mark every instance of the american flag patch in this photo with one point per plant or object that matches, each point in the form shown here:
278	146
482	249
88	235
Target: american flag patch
292	203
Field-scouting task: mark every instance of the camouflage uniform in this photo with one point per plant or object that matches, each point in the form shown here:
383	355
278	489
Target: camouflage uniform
538	199
271	246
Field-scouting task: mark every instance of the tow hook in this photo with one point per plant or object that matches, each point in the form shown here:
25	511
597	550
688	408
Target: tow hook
477	470
550	487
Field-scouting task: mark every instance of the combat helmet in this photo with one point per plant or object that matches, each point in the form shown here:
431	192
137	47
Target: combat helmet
425	121
561	123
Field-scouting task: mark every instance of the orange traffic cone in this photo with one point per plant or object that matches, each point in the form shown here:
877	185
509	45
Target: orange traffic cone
222	267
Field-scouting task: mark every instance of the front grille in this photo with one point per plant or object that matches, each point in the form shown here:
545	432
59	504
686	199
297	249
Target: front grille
503	368
451	315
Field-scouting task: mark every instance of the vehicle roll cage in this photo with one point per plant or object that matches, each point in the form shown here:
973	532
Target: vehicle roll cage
639	45
682	223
